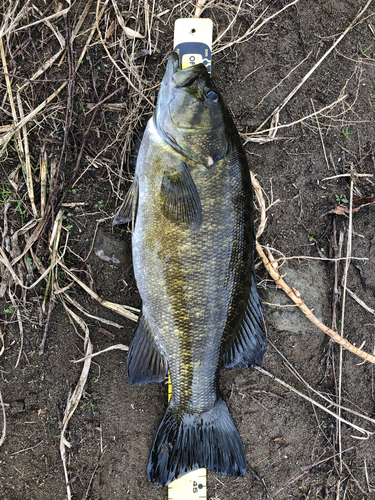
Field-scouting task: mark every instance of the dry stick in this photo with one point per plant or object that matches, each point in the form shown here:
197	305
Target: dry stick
4	431
293	92
294	294
93	475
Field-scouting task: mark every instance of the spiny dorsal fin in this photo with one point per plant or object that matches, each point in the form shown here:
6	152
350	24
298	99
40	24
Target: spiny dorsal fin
180	201
128	209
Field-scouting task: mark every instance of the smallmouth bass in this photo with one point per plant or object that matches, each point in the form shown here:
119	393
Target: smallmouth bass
193	247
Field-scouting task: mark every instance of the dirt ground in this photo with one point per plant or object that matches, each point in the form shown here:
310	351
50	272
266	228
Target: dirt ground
294	449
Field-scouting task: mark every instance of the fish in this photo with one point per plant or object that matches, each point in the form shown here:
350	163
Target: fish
193	244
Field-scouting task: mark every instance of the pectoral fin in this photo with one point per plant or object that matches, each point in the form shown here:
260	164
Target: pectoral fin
246	348
180	202
146	363
128	209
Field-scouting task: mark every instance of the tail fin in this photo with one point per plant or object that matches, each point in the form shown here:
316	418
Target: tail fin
187	442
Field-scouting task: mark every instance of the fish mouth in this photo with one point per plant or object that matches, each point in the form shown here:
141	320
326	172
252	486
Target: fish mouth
182	77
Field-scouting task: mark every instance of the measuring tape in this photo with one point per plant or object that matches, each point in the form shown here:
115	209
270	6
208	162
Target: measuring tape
193	43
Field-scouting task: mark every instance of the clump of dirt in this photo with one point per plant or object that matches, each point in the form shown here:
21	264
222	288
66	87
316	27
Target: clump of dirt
78	153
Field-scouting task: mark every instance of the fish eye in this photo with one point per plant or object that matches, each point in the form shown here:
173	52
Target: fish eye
212	96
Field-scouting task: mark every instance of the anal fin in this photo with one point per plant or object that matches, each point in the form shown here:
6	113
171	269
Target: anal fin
246	349
146	363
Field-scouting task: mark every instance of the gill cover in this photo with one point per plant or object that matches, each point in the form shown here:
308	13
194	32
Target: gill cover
190	114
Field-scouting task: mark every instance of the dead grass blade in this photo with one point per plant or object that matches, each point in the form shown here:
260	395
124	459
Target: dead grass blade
121	347
2	341
120	309
76	396
10	93
60	13
127	31
4	431
83	311
15	128
20	324
29	177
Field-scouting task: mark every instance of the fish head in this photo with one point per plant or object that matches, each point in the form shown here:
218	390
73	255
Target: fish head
190	114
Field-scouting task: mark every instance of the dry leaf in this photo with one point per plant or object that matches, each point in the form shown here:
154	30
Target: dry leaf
357	205
131	33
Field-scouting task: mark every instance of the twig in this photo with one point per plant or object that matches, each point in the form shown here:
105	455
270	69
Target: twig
343	283
27	449
4	431
295	296
93	475
360	302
